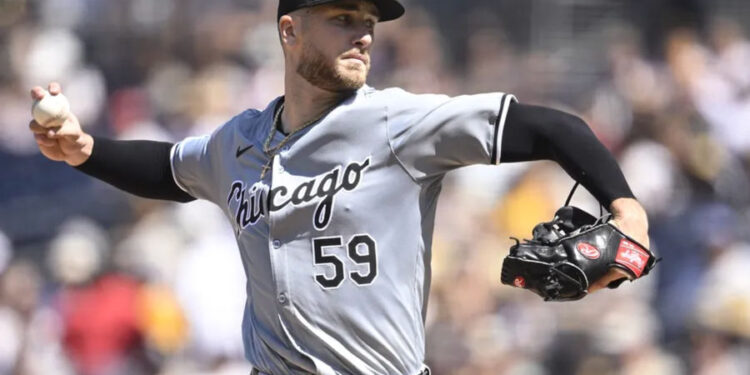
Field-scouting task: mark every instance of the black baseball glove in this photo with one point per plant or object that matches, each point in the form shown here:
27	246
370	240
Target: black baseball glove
569	253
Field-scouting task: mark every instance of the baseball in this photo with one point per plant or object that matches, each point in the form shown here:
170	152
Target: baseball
50	110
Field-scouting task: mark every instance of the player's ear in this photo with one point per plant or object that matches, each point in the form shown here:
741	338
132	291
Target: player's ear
288	30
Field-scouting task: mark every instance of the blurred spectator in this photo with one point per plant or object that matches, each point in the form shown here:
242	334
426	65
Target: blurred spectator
31	332
725	89
724	299
98	307
6	252
210	285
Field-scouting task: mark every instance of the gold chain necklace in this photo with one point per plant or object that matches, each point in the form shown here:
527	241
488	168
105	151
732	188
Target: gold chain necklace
271	151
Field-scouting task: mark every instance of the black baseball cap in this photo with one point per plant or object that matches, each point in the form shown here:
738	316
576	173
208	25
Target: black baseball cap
389	9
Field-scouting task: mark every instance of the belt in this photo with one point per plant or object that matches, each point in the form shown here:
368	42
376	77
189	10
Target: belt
255	371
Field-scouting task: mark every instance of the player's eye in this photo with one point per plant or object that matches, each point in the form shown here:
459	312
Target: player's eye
344	19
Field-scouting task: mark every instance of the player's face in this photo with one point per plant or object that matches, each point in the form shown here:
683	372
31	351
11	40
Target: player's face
336	42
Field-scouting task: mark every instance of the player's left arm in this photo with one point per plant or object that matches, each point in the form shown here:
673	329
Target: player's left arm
536	133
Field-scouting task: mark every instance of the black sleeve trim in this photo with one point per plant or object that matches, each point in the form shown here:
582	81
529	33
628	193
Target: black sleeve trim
142	168
535	133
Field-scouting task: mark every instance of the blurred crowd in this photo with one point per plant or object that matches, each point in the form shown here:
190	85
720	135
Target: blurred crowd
94	281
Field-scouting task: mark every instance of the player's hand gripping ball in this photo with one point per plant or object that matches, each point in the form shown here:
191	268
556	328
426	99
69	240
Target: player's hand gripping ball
50	110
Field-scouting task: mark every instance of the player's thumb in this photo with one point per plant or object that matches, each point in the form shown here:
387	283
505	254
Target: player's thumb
70	128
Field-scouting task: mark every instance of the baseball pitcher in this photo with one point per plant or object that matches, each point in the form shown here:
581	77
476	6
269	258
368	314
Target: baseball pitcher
332	188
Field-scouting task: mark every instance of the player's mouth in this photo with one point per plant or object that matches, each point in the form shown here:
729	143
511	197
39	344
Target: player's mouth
357	57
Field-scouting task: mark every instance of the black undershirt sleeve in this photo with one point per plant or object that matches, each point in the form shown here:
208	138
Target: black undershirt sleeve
138	167
536	133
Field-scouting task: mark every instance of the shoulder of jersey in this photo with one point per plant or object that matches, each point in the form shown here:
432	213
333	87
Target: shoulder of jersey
403	103
249	115
248	122
399	96
392	92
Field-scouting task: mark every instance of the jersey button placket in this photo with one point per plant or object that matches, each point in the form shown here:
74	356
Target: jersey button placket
276	236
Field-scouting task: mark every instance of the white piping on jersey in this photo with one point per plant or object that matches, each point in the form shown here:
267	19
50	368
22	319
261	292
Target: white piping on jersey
506	100
172	152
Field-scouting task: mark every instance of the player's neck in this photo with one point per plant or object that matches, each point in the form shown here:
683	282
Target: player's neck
304	102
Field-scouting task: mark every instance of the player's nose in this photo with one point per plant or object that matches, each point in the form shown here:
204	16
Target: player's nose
363	39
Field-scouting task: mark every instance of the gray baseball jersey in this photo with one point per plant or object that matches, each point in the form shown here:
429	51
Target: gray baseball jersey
335	239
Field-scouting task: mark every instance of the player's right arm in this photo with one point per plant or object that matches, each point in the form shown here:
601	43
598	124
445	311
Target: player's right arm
138	167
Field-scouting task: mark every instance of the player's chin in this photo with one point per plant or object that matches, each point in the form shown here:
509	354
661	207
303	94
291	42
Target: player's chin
351	80
355	72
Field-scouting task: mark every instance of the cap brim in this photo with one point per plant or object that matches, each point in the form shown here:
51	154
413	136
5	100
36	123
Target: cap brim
389	9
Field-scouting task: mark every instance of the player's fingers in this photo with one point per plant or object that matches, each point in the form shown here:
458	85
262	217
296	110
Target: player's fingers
36	128
602	283
52	153
55	88
613	275
64	132
42	140
69	129
37	93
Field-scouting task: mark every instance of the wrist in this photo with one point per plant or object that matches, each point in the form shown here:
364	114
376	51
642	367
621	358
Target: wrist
627	208
86	144
631	218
